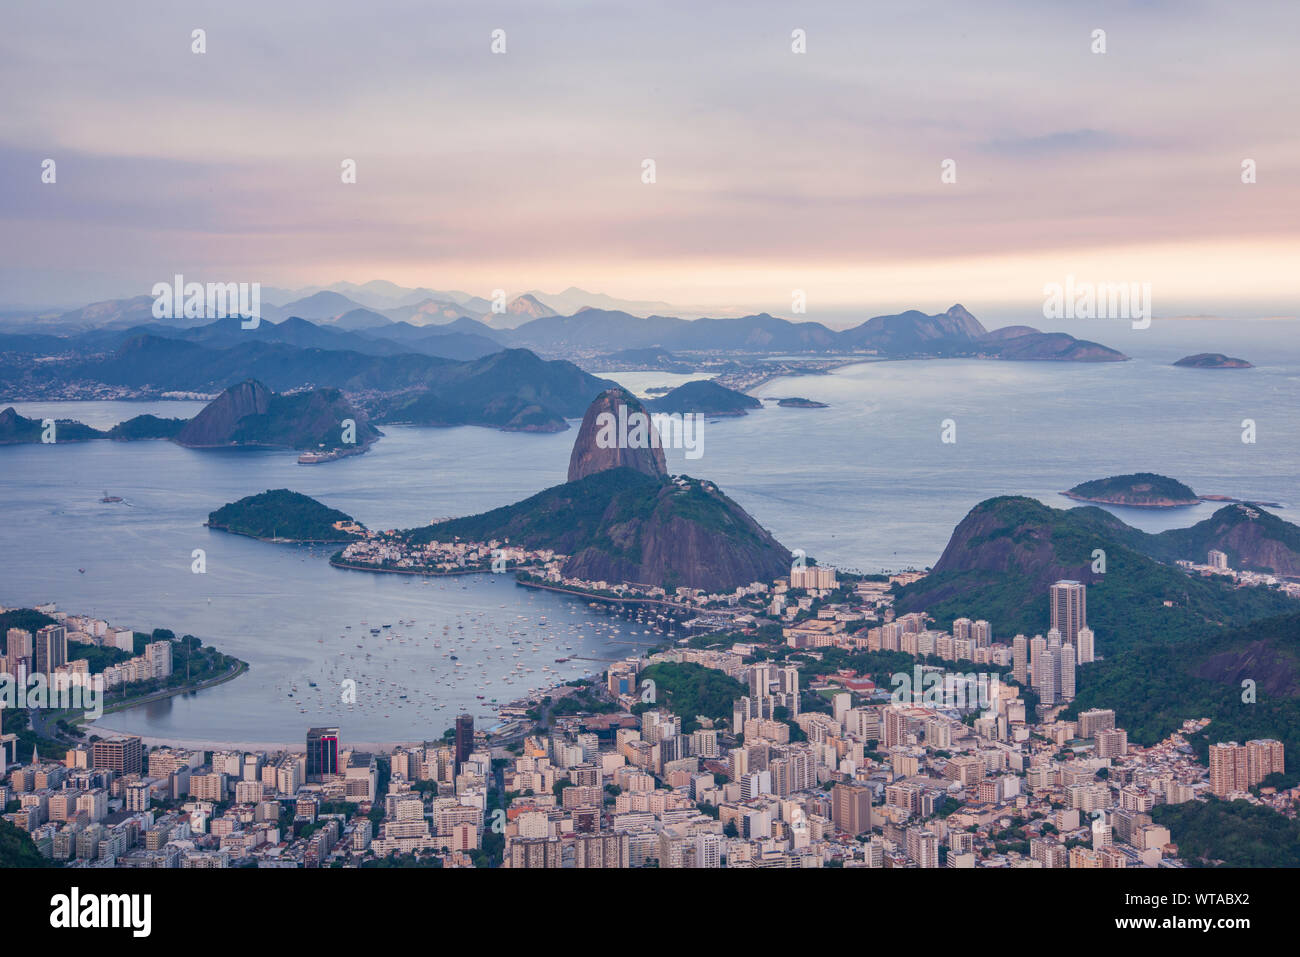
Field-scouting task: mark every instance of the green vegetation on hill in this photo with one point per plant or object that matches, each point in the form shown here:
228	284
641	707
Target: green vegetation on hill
97	658
17	849
1235	833
563	517
28	619
1252	537
1003	557
282	515
1153	689
17	429
147	427
688	689
623	525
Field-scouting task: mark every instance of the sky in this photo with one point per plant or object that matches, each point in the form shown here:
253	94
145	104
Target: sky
774	170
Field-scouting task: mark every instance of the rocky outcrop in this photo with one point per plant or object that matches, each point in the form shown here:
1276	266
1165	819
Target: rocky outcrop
616	432
216	424
1253	538
693	535
250	414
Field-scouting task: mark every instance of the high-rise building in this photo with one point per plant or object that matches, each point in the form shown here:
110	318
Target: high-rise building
1111	743
982	634
535	852
812	576
1065	669
1020	659
1047	673
51	649
18	654
1217	559
322	753
1069	609
1086	647
1094	720
125	755
601	850
464	738
1264	757
1228	767
851	808
1234	767
158	654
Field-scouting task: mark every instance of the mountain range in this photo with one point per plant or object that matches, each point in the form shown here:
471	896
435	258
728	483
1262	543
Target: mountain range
455	325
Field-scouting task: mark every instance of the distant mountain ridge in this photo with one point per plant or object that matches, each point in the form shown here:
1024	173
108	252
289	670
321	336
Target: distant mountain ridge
530	321
954	333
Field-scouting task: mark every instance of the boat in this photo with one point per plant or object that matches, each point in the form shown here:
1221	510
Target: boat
109	499
83	571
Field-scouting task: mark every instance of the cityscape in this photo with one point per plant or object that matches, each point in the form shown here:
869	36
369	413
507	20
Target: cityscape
479	439
808	765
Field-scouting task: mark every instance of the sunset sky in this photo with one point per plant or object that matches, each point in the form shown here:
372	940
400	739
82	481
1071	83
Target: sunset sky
775	171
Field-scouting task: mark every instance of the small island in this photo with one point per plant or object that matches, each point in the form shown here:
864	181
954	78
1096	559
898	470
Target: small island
280	515
1212	360
1138	490
797	402
704	396
16	429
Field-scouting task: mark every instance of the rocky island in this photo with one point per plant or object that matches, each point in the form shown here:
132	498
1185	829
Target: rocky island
1212	360
797	402
280	515
1138	490
706	397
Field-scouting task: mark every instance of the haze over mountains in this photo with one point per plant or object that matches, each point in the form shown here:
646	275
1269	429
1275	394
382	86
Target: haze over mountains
389	319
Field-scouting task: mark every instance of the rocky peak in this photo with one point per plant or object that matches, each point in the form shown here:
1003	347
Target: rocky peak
215	424
616	432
